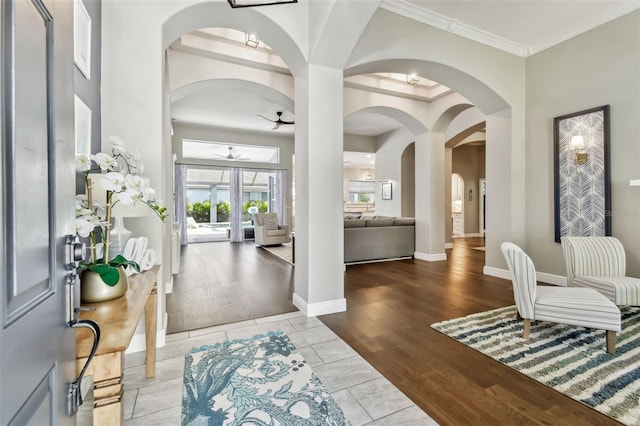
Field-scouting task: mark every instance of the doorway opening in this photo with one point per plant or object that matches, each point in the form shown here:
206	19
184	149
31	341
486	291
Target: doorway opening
209	205
457	213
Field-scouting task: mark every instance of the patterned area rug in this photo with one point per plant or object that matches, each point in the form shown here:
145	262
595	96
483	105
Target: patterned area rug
258	381
571	360
283	251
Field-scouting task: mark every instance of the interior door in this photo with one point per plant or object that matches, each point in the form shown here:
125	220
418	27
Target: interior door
37	348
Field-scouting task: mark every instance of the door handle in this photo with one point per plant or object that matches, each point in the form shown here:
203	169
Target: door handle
74	394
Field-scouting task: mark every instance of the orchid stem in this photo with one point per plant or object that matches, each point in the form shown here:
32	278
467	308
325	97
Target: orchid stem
92	243
107	234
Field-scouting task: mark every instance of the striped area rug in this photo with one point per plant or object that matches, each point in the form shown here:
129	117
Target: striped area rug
571	360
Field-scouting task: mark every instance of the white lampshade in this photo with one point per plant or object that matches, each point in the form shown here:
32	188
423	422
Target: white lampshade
577	142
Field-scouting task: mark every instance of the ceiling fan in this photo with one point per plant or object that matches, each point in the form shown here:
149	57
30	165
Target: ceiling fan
232	156
279	122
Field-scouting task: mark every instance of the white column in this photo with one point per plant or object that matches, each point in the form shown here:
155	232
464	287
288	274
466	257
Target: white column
505	191
319	271
430	197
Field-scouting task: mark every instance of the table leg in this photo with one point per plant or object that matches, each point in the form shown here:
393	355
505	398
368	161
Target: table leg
150	321
108	389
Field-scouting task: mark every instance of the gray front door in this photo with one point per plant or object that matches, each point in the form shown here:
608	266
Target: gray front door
37	349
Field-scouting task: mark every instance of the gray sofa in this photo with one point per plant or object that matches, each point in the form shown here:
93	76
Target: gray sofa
368	238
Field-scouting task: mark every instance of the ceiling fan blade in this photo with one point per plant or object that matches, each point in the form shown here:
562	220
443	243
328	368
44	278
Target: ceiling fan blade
276	127
268	119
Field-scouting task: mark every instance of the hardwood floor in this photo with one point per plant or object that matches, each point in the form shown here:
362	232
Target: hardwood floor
222	282
390	307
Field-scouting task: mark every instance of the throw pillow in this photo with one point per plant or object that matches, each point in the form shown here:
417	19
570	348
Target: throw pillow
270	224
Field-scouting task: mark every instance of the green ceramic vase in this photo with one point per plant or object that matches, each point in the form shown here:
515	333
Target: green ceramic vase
93	289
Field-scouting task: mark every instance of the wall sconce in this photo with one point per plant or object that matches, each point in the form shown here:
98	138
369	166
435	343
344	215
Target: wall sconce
251	40
250	3
412	79
577	145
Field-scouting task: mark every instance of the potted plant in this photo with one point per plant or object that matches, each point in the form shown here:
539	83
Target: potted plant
124	184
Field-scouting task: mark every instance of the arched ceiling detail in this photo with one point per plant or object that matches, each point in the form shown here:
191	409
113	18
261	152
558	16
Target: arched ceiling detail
254	20
457	139
405	119
478	93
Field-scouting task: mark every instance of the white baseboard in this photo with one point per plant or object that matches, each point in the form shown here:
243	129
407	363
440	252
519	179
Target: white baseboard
469	235
541	276
430	257
497	272
321	308
448	245
139	341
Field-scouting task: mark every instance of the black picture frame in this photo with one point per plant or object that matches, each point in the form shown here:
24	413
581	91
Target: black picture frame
582	180
386	191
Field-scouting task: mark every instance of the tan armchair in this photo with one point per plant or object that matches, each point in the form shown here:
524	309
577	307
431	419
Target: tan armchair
268	231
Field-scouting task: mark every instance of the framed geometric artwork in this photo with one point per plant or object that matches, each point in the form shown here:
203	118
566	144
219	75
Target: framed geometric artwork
582	186
82	38
82	116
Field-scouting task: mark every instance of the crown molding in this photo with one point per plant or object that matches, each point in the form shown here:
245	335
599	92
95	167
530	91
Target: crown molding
408	10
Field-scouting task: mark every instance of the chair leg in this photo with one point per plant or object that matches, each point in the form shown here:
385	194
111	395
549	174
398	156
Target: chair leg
611	342
527	327
518	317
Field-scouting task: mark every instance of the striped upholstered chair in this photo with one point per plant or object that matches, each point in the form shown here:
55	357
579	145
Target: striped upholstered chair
600	263
582	307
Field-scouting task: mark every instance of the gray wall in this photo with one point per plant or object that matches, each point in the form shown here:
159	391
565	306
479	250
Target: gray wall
596	68
89	90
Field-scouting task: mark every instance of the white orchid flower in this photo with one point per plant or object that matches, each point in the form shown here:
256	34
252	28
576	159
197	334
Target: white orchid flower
85	225
130	196
105	161
148	194
136	182
113	181
83	163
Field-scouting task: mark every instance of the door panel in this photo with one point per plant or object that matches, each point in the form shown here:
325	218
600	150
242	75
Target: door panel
29	282
37	349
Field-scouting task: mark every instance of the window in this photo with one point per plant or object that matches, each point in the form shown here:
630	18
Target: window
219	151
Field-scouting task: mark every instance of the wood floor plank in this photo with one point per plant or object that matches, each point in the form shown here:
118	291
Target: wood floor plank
390	307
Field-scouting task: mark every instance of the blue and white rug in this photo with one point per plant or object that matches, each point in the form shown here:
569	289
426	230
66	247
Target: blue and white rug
258	381
571	360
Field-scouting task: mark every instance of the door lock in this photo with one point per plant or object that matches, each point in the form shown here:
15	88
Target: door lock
75	251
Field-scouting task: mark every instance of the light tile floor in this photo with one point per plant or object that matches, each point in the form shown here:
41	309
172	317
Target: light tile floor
364	395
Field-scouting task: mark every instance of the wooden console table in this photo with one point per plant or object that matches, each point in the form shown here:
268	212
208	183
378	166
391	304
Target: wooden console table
117	319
